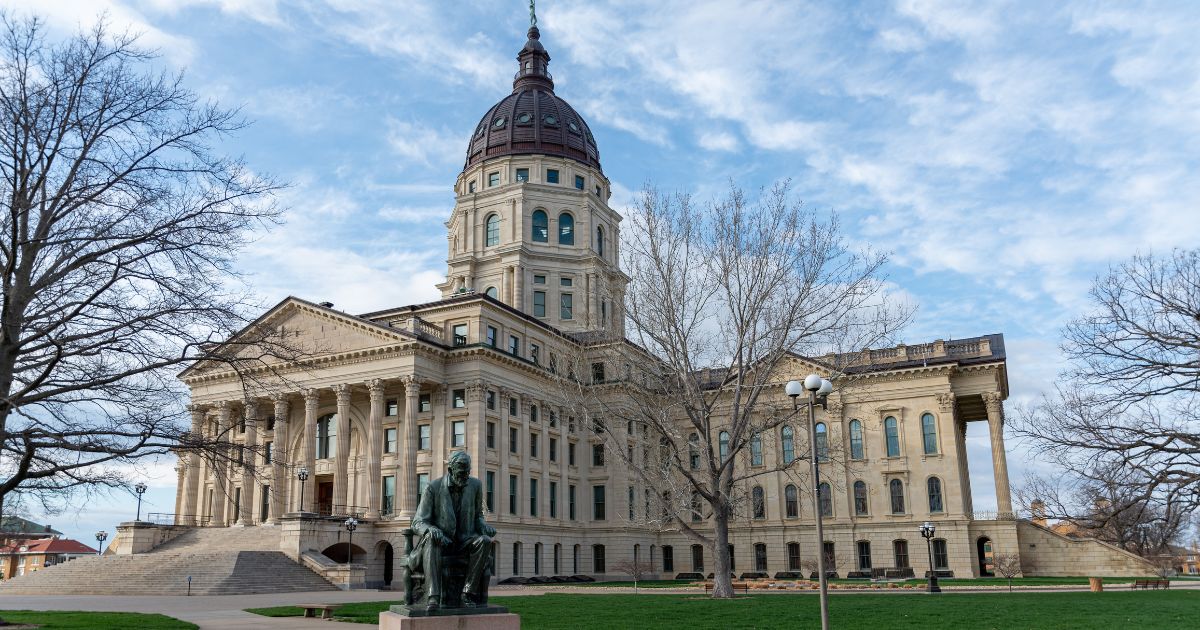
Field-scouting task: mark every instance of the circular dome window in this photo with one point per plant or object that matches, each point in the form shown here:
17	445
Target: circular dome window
551	119
525	118
498	123
573	127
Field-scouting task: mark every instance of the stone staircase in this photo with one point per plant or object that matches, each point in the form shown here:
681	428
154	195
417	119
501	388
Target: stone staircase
221	561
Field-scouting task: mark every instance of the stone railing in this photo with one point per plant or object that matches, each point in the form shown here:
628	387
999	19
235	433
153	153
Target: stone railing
991	516
961	349
420	328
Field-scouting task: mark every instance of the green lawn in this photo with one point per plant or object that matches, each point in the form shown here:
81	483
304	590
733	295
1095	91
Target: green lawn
1044	611
989	581
74	620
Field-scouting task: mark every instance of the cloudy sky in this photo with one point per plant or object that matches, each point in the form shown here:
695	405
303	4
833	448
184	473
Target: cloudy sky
1004	152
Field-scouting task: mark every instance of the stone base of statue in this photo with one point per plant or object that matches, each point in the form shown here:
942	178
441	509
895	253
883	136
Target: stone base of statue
417	618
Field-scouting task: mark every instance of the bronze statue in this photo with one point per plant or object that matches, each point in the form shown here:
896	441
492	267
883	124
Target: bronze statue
454	548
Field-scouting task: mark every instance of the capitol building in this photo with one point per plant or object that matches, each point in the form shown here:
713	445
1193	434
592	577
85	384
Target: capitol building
532	278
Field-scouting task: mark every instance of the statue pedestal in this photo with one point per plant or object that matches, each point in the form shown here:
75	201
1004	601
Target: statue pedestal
487	618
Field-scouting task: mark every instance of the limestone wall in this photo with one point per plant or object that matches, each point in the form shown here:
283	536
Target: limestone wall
1045	553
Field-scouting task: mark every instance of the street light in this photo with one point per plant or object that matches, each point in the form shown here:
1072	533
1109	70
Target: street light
100	538
140	489
818	390
302	475
351	525
927	530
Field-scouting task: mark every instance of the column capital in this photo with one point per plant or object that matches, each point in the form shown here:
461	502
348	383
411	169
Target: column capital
343	392
475	390
994	402
281	407
250	409
375	388
410	379
280	397
945	402
312	397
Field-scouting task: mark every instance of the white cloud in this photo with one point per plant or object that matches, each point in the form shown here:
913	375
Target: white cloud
717	141
67	17
419	143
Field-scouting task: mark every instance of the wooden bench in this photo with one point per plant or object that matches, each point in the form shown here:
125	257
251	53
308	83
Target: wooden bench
1150	584
708	586
310	610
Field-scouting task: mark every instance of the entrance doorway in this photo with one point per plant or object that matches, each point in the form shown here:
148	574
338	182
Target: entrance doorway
984	552
325	496
387	564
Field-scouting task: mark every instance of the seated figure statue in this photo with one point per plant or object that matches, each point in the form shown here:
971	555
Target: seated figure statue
450	562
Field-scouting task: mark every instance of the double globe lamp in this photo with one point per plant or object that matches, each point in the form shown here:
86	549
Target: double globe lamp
818	389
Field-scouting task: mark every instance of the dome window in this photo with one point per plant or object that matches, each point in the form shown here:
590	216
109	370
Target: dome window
541	227
498	123
551	120
573	127
525	118
492	231
566	229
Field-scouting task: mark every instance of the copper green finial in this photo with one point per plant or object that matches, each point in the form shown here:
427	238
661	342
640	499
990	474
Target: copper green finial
532	14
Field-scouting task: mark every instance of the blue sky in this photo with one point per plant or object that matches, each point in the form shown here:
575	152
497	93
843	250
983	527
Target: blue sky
1004	152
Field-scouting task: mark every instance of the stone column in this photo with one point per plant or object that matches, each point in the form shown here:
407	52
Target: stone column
280	478
312	399
224	476
437	447
191	480
341	476
249	465
544	464
374	447
519	288
407	464
503	452
995	413
564	470
477	426
523	448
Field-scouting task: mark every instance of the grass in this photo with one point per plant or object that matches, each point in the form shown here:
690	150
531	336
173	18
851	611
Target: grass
1045	611
74	620
988	581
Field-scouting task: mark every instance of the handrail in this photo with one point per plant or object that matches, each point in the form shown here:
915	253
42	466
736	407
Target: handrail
168	518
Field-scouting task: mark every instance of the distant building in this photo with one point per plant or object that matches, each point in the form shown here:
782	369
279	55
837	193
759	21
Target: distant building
31	555
15	528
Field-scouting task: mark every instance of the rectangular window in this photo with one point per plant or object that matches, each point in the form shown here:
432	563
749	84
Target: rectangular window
459	399
471	186
571	502
522	175
267	451
539	303
597	190
900	550
491	336
598	558
697	558
941	559
571	454
597	372
533	497
512	439
459	431
388	495
491	435
793	554
534	349
514	345
597	454
598	503
553	449
490	486
579	182
551	176
539	279
553	499
760	558
460	334
493	179
391	407
512	406
668	556
566	306
264	506
491	400
424	403
389	440
864	555
512	494
423	437
422	483
533	444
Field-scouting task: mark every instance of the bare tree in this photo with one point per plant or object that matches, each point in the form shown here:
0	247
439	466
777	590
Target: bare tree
120	223
1007	565
721	300
1126	418
635	568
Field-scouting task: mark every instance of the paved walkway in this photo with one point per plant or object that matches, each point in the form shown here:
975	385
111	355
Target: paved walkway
226	612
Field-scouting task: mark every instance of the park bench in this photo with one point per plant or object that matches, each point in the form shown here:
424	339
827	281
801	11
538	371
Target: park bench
310	610
708	586
1150	584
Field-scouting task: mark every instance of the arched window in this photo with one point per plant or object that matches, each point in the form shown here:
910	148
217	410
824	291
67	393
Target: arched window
326	436
600	240
760	557
516	551
897	490
824	498
929	434
492	293
935	494
791	502
941	557
758	502
900	553
537	558
860	498
492	230
723	443
822	442
892	434
541	227
856	440
566	229
789	445
756	455
694	451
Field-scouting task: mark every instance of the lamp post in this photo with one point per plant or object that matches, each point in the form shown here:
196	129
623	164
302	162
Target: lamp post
302	475
140	489
927	531
351	525
100	538
818	390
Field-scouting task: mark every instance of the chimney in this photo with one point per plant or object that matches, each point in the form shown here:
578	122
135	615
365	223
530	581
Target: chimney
1037	512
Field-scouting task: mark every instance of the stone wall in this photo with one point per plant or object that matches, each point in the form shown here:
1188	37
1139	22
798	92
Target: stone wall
1045	553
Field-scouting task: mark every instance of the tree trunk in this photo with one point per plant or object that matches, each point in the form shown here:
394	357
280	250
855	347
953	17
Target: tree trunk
722	582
